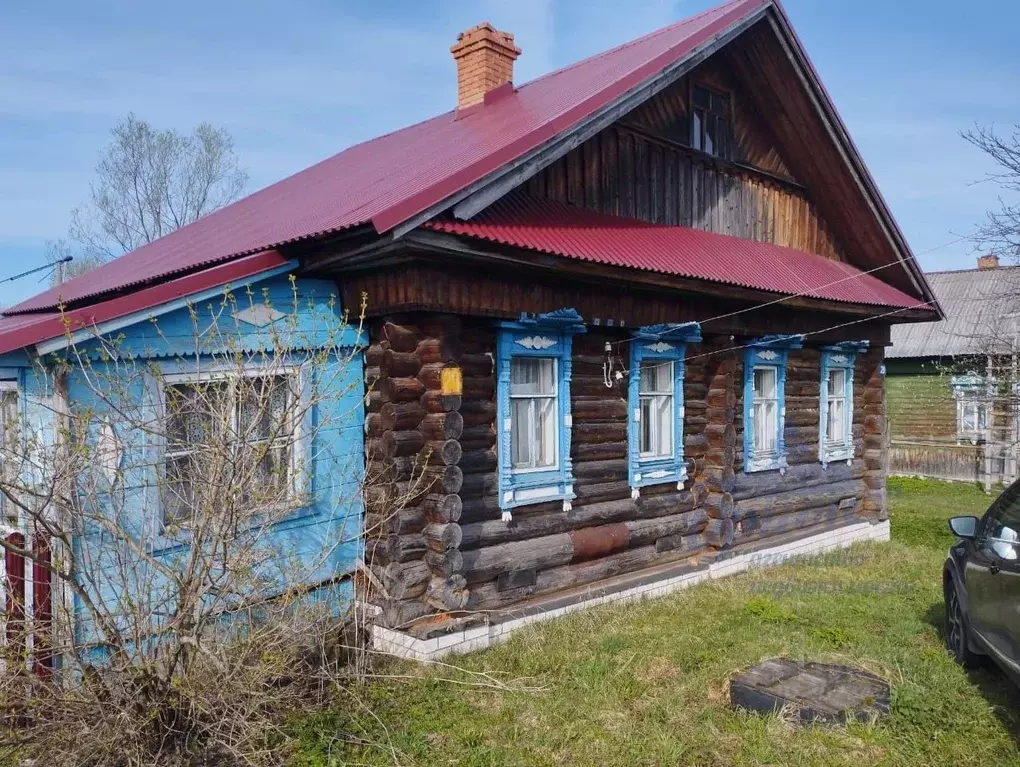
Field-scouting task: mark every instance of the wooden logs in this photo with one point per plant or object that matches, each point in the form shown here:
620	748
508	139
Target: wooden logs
404	581
600	433
721	435
448	593
477	437
719	533
446	348
796	500
402	389
540	553
404	548
678	544
719	505
401	338
600	541
445	453
643	531
475	461
445	480
402	416
806	475
441	426
477	412
442	508
437	402
445	564
443	537
402	443
401	363
399	613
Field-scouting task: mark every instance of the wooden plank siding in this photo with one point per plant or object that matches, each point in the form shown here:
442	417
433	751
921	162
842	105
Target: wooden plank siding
643	167
626	173
504	292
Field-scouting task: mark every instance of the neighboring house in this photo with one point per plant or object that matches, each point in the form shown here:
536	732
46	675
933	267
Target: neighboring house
619	316
951	384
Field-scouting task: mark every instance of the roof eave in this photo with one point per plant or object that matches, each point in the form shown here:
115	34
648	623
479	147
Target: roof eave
838	131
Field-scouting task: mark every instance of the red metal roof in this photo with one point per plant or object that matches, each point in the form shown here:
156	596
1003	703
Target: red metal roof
20	330
392	178
563	230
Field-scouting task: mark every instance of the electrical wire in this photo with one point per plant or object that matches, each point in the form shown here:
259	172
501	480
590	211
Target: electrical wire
809	293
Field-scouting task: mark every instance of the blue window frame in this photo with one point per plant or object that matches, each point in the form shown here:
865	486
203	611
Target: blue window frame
765	402
655	435
533	402
836	402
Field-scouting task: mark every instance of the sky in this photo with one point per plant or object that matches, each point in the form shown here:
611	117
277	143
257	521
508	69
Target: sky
295	81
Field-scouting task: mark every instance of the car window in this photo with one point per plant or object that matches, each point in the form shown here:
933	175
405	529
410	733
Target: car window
1001	527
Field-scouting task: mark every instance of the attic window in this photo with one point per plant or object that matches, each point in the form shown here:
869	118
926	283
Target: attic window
710	122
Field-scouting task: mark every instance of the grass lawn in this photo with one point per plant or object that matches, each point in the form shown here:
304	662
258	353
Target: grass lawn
647	683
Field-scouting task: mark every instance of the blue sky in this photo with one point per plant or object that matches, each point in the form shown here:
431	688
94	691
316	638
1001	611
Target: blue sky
297	81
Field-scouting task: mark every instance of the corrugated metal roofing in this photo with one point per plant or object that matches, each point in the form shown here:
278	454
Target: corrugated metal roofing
20	330
563	230
978	304
392	178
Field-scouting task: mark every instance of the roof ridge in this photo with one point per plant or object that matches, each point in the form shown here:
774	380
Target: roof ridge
969	270
722	7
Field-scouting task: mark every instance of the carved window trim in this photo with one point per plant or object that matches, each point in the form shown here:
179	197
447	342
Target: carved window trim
665	343
771	352
837	357
545	336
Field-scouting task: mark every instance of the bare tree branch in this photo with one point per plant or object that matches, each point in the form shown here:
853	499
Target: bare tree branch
148	183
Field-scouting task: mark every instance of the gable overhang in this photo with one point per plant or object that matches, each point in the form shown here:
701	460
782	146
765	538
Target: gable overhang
472	199
841	138
45	333
517	163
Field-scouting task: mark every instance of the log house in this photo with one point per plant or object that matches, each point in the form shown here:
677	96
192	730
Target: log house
623	324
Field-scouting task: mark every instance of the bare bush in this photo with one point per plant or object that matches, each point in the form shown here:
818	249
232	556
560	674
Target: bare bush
193	490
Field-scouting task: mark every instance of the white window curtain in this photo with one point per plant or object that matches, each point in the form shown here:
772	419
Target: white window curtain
534	403
765	410
837	408
656	408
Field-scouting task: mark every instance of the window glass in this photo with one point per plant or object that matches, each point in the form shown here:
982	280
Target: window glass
838	411
533	408
765	410
710	122
240	431
1002	525
656	408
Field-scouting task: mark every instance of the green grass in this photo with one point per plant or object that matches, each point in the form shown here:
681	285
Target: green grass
647	683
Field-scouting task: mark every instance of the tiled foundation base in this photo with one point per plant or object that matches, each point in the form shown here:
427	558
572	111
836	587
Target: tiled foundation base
628	588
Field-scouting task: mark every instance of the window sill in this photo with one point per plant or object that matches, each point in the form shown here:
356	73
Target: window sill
656	471
837	455
172	538
766	463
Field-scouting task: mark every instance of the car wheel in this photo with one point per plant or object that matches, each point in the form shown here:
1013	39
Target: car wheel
957	630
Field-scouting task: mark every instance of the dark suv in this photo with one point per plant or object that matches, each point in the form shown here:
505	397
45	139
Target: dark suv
982	585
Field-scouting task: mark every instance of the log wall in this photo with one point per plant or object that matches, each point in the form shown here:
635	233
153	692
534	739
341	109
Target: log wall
440	545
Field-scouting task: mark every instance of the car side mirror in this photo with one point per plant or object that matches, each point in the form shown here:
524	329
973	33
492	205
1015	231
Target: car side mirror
964	527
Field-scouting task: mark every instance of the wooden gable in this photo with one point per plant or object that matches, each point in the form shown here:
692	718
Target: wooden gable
643	167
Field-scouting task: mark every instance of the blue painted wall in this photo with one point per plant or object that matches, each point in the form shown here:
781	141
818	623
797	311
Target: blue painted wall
116	380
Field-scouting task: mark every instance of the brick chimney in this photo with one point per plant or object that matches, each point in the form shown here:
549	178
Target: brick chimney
991	261
485	61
